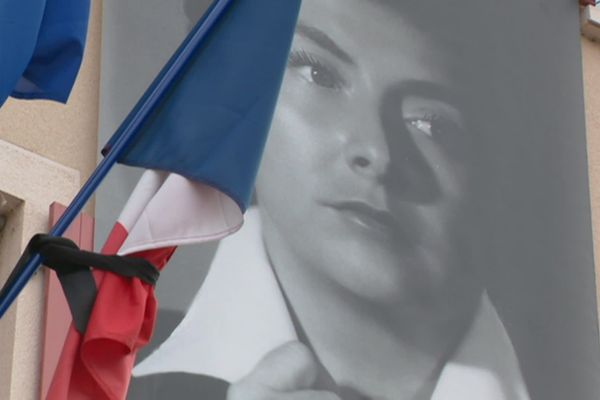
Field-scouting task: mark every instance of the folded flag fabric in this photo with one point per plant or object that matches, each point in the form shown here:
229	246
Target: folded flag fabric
97	364
41	47
202	147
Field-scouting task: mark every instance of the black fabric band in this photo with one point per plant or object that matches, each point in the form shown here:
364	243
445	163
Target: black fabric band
72	267
63	256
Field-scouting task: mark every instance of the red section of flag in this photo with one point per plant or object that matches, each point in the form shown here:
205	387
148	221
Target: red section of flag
57	314
587	2
98	364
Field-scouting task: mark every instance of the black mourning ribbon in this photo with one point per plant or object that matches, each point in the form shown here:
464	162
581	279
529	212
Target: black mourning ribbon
73	268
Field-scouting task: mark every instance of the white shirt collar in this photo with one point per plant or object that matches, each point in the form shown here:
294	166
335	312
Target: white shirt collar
240	315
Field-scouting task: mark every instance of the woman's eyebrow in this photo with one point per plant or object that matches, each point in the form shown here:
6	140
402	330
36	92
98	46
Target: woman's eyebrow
321	39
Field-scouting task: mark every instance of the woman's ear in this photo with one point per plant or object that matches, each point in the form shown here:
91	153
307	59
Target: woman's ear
194	9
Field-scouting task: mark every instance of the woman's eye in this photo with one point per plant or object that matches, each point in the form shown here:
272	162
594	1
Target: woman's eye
423	125
431	125
320	76
315	71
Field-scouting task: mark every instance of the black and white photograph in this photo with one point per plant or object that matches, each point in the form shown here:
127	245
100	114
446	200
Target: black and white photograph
420	227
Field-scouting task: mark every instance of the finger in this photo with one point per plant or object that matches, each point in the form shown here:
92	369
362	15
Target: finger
288	368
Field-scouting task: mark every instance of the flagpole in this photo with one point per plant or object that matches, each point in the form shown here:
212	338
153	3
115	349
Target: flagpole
124	136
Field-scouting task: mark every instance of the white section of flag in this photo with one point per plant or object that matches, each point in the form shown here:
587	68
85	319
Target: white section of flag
166	209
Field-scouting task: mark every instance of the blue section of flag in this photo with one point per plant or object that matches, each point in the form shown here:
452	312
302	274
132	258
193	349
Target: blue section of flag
212	124
41	47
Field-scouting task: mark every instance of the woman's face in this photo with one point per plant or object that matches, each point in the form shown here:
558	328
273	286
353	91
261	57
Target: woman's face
364	178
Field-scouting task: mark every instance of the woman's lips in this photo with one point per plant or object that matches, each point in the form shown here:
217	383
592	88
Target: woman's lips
369	217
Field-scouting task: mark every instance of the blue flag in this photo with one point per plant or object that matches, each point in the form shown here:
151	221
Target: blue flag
41	47
212	124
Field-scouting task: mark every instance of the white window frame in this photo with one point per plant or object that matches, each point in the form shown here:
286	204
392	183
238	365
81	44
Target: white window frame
590	22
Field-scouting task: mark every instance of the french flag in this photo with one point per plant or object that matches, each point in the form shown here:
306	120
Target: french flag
165	210
201	148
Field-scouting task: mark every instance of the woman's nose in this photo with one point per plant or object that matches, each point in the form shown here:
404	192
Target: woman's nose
367	151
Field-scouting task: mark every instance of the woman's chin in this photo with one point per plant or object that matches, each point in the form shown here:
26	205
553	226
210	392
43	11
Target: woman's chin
384	284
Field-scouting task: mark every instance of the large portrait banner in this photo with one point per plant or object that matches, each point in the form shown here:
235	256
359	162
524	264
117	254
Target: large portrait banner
421	225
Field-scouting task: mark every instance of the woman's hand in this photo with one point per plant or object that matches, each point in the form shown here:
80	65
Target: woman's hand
289	372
